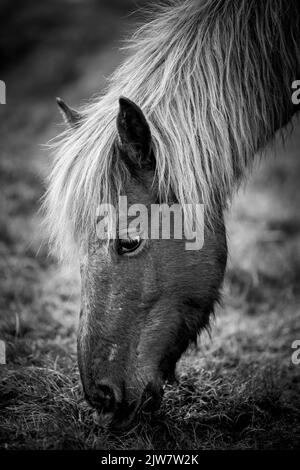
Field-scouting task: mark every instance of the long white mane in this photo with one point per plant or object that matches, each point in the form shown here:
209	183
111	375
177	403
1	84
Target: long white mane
213	79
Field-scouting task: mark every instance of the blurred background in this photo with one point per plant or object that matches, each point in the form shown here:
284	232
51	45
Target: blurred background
238	389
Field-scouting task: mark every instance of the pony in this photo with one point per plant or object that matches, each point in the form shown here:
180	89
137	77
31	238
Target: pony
206	85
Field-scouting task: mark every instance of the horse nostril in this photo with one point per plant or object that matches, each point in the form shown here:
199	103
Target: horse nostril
107	398
152	397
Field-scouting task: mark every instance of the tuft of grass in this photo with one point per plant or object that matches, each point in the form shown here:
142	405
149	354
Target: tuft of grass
42	408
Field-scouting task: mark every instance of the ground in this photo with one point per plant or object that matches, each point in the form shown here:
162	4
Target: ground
239	389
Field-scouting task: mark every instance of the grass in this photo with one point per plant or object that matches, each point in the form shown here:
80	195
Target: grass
238	389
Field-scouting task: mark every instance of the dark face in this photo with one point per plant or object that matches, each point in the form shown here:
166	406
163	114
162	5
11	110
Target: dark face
143	301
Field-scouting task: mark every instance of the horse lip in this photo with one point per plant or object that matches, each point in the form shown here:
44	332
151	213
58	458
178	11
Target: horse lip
117	424
123	421
123	425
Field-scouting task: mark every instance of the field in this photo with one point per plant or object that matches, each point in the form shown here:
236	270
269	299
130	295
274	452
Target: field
239	388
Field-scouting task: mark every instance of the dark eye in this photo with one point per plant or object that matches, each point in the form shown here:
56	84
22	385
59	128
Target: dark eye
128	245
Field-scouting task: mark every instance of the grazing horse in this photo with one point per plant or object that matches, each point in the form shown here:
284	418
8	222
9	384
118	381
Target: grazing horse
205	87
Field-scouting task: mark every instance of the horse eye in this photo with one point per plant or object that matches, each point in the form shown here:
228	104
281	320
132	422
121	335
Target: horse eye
128	245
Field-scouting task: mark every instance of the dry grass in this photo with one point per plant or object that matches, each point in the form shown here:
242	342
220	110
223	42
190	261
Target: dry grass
237	390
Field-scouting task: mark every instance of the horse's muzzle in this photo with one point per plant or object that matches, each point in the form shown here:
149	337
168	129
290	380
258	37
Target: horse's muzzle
117	413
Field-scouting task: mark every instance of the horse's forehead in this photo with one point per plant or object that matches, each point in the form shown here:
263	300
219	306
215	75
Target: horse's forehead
140	191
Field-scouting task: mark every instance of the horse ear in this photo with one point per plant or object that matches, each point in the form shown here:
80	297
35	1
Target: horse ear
134	131
70	115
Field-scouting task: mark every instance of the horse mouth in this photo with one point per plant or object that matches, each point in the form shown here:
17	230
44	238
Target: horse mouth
123	420
126	416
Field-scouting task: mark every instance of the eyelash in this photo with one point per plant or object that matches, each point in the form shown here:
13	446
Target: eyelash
134	251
